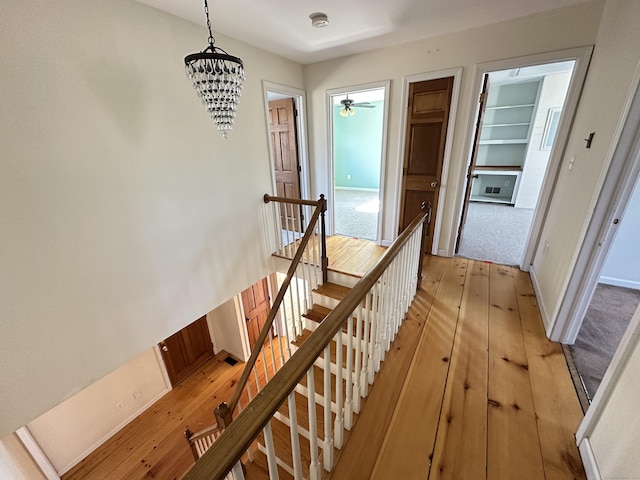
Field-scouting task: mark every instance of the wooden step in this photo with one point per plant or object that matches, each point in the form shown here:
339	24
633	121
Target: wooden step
302	414
332	290
258	469
318	379
332	346
318	313
282	443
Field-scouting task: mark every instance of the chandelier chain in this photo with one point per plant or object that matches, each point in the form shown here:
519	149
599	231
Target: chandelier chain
212	40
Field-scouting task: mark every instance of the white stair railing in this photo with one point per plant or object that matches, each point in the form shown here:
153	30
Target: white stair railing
376	306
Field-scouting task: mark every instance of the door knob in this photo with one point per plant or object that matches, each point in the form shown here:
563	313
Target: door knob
164	348
434	184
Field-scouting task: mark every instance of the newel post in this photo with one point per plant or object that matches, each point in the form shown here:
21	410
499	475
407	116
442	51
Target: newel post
325	260
425	207
223	415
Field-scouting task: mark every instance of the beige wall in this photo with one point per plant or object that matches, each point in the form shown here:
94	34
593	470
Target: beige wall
15	461
601	109
560	29
125	215
227	330
71	430
614	439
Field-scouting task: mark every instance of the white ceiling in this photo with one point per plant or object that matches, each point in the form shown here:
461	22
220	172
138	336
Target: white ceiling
284	27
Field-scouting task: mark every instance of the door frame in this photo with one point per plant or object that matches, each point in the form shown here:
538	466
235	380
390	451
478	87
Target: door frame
456	73
622	174
582	57
386	84
300	102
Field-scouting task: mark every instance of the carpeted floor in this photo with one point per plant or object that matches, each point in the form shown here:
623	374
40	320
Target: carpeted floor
356	213
606	321
495	232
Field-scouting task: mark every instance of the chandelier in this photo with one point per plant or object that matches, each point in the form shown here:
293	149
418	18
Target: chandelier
217	78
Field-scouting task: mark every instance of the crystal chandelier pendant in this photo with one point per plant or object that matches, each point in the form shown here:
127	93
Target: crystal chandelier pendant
217	78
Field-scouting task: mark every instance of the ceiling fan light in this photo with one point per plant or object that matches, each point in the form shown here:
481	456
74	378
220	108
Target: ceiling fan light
344	112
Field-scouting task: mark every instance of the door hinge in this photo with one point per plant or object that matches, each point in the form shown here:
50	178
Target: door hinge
482	98
299	168
295	111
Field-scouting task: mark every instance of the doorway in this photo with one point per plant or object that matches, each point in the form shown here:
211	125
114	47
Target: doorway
256	304
358	144
519	112
186	350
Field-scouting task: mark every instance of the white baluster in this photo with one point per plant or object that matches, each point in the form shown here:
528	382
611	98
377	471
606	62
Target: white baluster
286	324
297	285
348	405
278	224
328	437
271	452
357	368
338	430
314	467
373	341
295	440
367	353
237	472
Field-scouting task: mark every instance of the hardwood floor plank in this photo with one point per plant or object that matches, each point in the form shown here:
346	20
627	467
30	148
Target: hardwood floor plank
556	403
409	443
357	459
461	442
513	448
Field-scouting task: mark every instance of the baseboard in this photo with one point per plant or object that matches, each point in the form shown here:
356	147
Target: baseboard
443	253
589	460
620	282
115	430
386	243
546	320
358	189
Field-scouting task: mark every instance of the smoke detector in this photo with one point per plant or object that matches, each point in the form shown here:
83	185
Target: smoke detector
319	19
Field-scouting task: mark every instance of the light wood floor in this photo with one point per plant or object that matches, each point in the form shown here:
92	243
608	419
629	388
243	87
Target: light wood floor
472	389
352	255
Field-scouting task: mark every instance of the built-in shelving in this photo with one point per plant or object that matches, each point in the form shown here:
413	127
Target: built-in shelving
503	141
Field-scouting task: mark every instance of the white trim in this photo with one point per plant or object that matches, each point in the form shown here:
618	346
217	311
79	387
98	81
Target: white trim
386	85
163	367
456	73
242	328
620	174
544	313
111	433
582	56
300	99
357	189
629	343
620	282
38	456
589	460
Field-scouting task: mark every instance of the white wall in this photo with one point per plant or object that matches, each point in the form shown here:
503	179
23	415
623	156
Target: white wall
622	267
614	433
228	333
602	108
125	214
552	94
70	431
562	28
15	461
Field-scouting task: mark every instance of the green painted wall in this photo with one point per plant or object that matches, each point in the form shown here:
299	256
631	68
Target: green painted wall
357	147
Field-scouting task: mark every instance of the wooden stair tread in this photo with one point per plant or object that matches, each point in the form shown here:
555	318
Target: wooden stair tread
302	414
258	469
317	313
332	346
318	378
281	434
332	290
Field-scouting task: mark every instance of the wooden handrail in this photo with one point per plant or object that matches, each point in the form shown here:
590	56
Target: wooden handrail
273	312
296	201
233	442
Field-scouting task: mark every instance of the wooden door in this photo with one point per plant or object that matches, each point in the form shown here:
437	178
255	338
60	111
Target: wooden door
474	157
427	121
185	351
284	145
256	304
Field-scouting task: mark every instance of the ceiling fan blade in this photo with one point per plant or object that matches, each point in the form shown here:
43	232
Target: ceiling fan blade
363	104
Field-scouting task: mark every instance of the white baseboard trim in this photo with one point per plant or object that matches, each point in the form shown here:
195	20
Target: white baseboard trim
546	320
386	243
620	282
115	430
38	456
444	253
589	460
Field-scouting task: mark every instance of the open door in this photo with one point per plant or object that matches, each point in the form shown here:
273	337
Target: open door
185	351
286	165
256	305
427	122
474	158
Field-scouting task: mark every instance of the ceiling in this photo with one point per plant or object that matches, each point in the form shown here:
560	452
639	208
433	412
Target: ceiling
283	26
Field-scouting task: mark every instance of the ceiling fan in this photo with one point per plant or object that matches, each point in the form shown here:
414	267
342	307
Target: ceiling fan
348	104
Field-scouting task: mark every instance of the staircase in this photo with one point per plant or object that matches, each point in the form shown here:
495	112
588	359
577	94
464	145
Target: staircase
337	335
